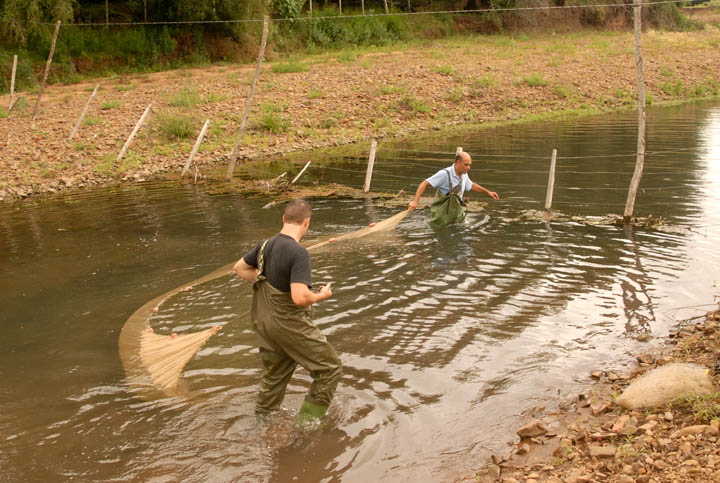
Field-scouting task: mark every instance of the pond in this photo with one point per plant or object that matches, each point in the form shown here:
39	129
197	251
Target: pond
449	338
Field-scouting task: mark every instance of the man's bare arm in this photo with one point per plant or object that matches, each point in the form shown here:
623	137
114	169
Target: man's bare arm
303	296
491	194
245	271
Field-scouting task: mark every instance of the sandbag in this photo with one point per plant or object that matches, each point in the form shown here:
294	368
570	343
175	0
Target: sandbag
666	384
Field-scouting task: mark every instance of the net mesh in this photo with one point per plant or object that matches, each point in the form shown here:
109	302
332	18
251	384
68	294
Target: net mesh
153	363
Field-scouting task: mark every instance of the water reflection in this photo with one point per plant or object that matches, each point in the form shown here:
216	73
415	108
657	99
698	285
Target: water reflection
447	337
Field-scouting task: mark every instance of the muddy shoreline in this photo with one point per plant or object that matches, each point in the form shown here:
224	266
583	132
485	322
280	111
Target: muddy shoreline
450	85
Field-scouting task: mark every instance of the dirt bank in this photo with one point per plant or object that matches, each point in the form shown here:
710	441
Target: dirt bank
591	439
338	98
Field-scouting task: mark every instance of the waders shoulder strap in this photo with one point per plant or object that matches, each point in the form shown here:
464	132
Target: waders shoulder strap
261	261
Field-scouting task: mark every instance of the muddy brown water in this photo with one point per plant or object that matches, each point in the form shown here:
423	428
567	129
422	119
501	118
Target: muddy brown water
448	338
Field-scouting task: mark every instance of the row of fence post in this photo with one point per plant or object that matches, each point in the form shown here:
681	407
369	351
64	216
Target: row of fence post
637	17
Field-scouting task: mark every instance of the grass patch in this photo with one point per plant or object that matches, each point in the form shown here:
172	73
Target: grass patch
561	91
174	127
483	83
347	56
315	94
386	90
106	166
125	88
109	105
91	121
187	97
212	97
3	113
534	80
274	122
414	104
704	408
674	89
456	95
443	70
289	67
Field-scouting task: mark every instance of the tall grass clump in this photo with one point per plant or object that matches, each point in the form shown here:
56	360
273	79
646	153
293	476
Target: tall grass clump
186	97
174	127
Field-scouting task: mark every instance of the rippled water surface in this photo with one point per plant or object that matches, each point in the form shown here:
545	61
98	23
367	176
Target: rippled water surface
448	337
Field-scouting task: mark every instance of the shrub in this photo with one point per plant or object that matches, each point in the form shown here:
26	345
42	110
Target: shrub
109	105
187	97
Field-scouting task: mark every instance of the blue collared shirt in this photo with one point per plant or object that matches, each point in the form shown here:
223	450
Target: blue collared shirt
440	181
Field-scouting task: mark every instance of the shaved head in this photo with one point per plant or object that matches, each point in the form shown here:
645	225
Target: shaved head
297	211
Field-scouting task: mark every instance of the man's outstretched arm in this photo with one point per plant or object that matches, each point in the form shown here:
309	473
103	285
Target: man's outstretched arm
491	194
420	190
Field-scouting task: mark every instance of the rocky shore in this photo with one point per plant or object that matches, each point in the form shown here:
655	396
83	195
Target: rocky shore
339	98
594	439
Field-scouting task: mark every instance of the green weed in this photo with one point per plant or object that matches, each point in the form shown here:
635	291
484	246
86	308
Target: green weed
289	67
109	105
444	70
91	121
561	91
274	123
347	56
534	80
385	90
174	127
187	97
123	88
413	104
315	94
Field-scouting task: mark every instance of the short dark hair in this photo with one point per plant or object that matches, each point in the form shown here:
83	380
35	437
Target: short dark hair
297	211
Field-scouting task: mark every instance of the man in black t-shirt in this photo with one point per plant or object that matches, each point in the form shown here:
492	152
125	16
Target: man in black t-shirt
280	271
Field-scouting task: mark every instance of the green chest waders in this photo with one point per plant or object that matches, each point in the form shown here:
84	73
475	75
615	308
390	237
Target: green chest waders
288	337
447	209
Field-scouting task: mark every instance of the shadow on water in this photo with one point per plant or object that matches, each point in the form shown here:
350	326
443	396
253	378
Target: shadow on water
448	337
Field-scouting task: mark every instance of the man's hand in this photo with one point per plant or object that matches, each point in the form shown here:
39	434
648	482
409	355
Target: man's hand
325	292
412	205
493	195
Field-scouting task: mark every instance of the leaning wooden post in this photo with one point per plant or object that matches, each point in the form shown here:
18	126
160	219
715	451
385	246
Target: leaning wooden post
234	155
12	81
551	181
386	7
371	162
84	112
47	69
195	148
301	172
640	160
134	131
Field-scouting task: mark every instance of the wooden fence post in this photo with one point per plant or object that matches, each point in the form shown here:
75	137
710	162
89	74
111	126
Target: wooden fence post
386	7
195	148
12	82
311	7
362	4
134	131
84	112
301	172
47	69
340	4
371	162
640	160
551	181
234	155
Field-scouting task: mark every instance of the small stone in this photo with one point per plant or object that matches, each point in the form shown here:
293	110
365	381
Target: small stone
697	429
620	423
668	416
628	469
523	448
532	429
645	359
602	451
596	374
715	423
686	448
649	426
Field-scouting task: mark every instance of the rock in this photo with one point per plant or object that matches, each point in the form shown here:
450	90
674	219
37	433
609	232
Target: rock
620	423
698	429
531	430
665	384
645	359
596	374
668	416
602	451
523	448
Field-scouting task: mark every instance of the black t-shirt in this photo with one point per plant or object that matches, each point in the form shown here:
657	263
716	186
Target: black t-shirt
286	262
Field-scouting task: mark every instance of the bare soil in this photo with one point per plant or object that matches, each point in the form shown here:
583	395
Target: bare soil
341	98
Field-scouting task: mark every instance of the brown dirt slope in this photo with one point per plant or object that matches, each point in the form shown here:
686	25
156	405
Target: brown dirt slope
339	98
